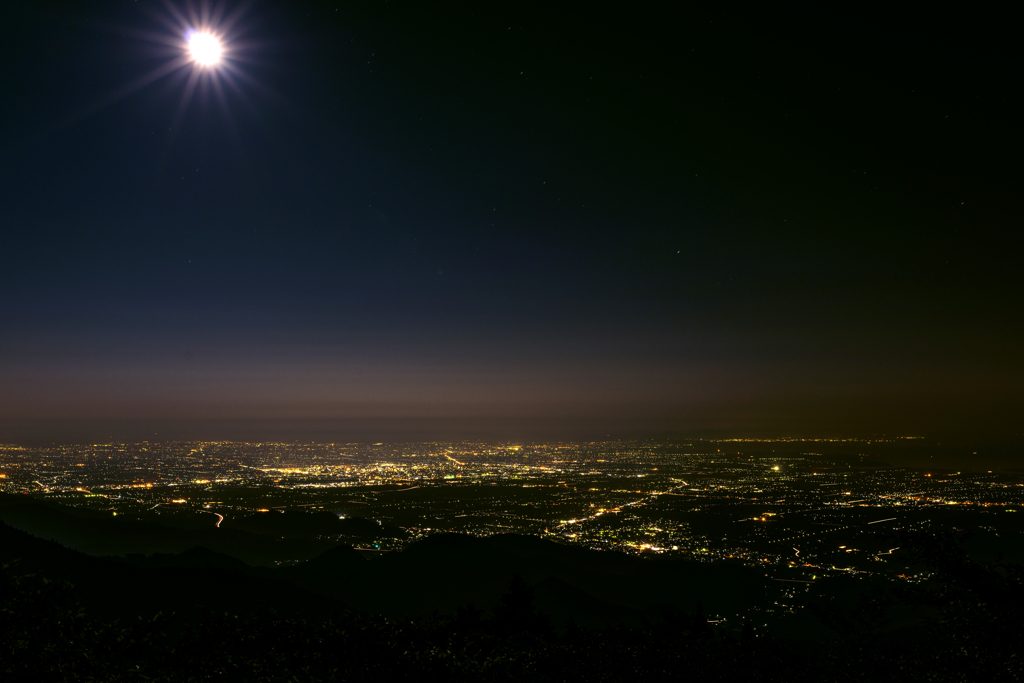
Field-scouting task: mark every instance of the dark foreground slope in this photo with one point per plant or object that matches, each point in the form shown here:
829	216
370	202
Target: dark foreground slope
596	589
158	566
102	534
190	584
45	634
441	574
457	607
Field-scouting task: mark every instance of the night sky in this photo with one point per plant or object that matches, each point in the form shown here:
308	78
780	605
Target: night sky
389	220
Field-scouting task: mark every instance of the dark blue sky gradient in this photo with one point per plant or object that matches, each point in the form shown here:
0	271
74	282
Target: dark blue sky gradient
508	220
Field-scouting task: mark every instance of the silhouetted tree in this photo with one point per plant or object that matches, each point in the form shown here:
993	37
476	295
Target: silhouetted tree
515	611
747	635
981	604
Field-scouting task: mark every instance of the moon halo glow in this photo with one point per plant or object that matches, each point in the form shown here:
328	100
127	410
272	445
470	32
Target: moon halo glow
201	50
204	48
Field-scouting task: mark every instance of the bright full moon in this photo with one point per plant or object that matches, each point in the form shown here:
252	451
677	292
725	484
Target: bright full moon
205	48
